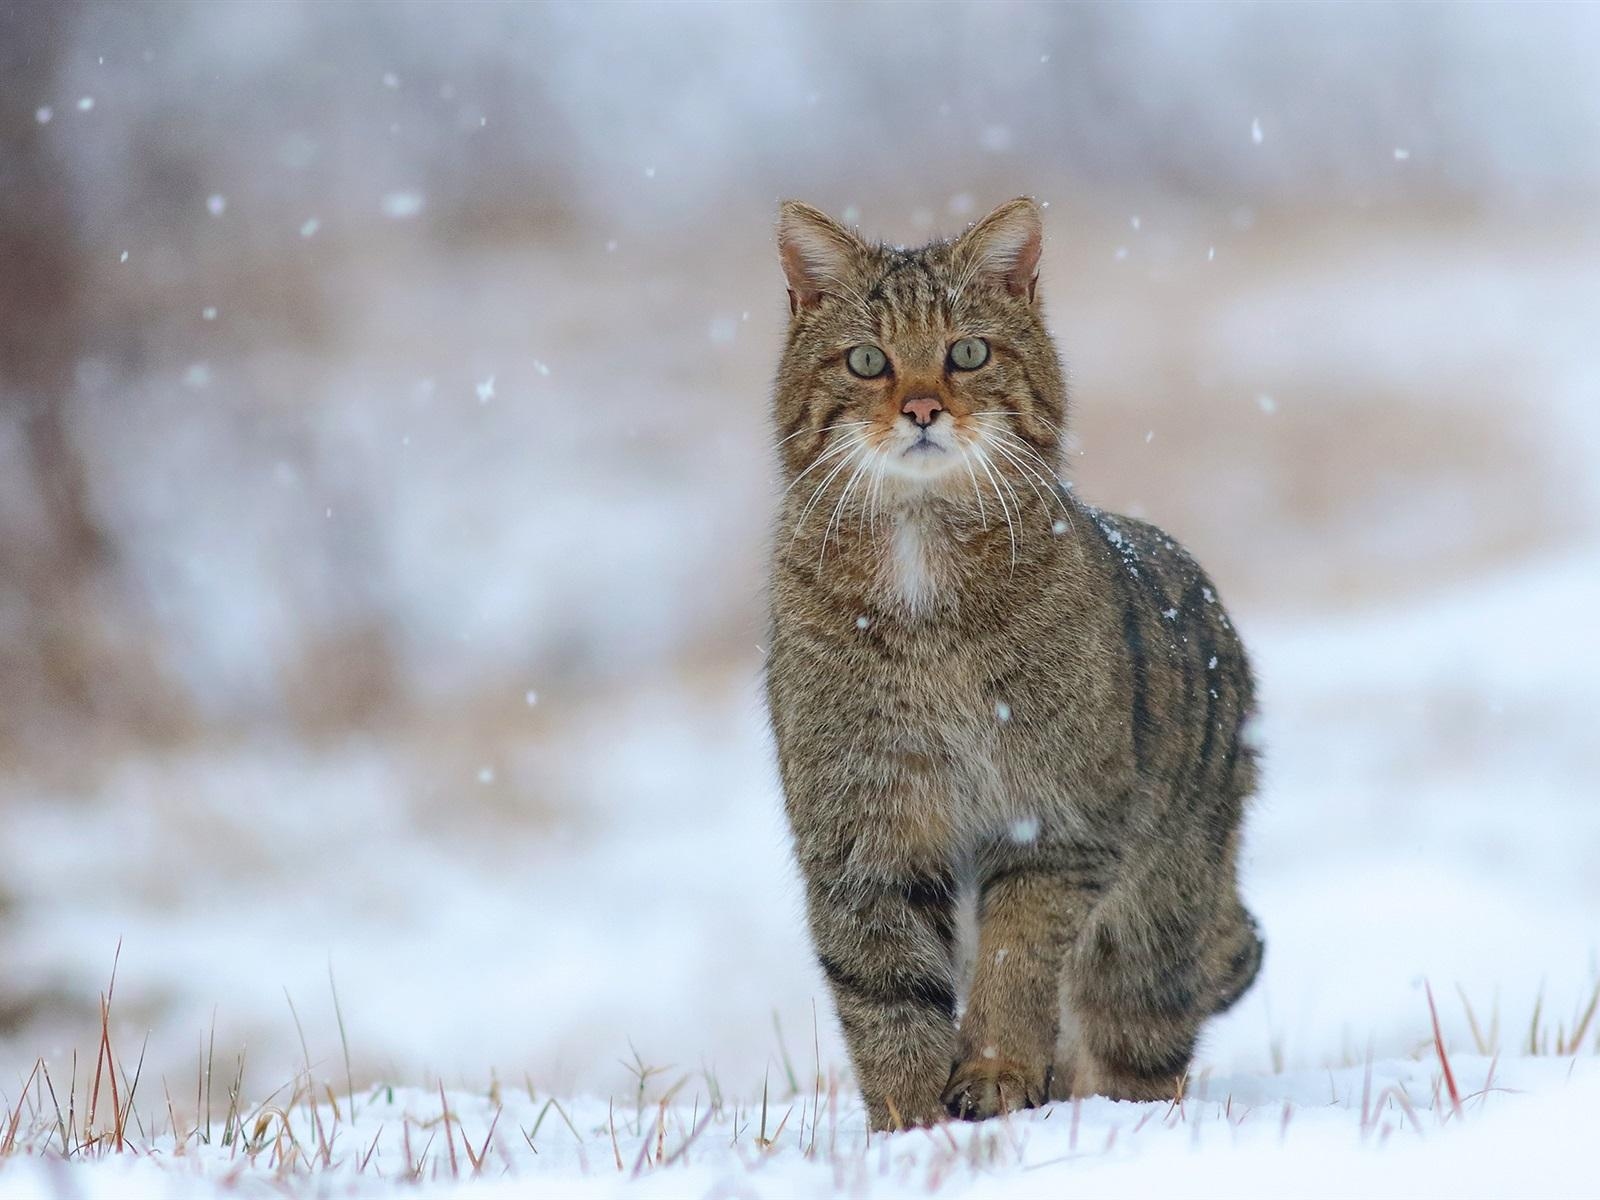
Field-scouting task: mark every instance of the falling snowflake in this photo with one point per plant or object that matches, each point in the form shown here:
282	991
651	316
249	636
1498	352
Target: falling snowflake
398	206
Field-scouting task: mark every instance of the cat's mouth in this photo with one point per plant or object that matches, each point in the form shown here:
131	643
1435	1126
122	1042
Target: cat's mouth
924	455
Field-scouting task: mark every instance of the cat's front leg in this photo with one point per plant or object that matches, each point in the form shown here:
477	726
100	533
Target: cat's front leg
1029	915
884	941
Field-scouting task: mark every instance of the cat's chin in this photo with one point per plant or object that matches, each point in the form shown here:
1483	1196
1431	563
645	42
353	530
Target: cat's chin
923	472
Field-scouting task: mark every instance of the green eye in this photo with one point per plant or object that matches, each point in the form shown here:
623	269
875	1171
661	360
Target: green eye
866	361
969	354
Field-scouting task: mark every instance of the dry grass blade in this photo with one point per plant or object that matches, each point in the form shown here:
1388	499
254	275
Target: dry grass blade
683	1148
449	1139
344	1040
783	1054
1444	1057
1575	1043
8	1144
104	1050
61	1124
611	1123
1479	1042
362	1168
127	1108
483	1151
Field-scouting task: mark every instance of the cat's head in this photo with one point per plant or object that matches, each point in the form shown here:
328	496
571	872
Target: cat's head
923	370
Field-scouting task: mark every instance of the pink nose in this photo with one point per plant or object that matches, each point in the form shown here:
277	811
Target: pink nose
921	409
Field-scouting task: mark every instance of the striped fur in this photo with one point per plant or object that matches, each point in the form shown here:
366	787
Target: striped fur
1047	725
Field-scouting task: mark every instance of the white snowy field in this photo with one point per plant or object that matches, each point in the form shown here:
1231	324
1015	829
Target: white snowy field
1510	1126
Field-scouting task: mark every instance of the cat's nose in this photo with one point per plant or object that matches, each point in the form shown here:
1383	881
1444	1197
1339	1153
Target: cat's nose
922	409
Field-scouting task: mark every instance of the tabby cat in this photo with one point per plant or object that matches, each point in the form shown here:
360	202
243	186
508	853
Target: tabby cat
985	692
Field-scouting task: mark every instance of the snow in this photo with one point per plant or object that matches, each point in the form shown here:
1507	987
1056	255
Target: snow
400	206
1385	1128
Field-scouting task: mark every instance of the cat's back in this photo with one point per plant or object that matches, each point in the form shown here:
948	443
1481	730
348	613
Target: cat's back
1183	676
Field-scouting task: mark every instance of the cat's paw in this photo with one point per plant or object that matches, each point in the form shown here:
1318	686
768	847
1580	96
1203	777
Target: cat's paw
985	1088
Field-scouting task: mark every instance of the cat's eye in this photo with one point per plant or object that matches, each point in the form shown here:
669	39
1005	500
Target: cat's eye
969	354
867	361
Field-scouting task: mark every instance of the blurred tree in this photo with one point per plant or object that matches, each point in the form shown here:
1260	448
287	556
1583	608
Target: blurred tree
58	658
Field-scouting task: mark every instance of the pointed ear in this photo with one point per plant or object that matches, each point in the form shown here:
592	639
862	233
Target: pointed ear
815	250
1005	246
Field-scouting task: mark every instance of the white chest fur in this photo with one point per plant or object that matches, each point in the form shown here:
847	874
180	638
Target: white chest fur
910	568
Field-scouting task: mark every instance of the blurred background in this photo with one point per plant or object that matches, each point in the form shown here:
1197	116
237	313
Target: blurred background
385	479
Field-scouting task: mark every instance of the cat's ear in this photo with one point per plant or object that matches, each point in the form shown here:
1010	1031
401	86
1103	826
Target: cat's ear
1006	245
816	251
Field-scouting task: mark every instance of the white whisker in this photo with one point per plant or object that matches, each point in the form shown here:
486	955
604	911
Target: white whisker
1029	454
880	460
856	448
1016	501
824	429
966	461
1028	473
1011	530
831	452
1059	490
1011	412
838	509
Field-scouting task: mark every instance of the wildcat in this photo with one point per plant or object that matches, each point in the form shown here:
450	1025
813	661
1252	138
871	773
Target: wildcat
984	690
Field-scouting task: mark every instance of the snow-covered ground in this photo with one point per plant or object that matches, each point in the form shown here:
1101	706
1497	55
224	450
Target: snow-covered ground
1518	1126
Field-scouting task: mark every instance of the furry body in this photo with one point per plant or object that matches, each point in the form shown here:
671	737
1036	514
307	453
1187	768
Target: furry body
991	690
